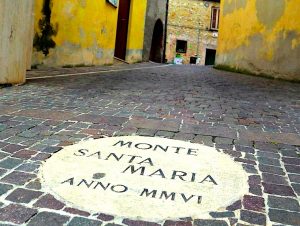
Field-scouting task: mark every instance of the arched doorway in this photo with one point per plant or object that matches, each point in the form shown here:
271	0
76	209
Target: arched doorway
157	42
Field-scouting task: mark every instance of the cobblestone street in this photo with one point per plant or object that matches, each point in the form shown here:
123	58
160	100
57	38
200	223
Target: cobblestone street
254	120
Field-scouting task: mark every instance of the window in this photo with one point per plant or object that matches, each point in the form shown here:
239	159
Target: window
181	46
215	14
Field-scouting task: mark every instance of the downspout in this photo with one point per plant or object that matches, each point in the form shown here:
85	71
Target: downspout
166	31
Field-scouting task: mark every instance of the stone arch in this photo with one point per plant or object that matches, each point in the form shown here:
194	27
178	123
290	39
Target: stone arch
157	42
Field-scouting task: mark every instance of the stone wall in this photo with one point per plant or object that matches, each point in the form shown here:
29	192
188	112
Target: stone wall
156	10
190	21
260	37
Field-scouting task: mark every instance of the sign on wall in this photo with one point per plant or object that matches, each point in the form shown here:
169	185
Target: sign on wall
113	2
144	177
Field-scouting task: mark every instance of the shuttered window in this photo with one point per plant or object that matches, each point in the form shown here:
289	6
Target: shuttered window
215	13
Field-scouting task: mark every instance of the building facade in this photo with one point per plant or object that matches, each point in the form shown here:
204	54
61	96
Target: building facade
192	31
260	37
86	32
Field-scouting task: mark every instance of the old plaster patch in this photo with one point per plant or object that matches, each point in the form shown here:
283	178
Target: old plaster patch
144	177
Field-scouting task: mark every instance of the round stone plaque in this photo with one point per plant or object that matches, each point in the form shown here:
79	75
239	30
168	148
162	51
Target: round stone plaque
144	177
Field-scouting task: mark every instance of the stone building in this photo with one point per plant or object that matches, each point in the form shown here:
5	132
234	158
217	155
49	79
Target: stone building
192	31
260	37
154	30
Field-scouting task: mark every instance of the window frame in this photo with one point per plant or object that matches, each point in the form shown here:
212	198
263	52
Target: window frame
186	46
213	10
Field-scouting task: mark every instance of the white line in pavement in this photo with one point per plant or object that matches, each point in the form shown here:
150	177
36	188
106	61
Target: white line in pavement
98	72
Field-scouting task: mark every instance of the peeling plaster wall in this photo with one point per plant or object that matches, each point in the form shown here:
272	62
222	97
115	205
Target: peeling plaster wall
156	10
260	37
83	32
15	40
189	20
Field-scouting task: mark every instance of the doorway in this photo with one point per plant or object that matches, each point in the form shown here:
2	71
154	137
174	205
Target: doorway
122	29
210	56
157	42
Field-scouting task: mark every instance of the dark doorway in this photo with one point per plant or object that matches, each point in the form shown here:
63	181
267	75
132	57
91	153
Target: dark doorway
210	56
122	29
157	42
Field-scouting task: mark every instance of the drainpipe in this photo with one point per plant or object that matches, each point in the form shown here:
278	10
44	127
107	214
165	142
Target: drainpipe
166	31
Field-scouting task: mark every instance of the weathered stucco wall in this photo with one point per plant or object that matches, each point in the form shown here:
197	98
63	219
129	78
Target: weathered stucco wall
156	10
260	37
83	32
15	40
136	30
189	20
74	32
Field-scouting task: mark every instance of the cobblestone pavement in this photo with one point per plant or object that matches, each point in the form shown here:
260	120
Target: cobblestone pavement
254	120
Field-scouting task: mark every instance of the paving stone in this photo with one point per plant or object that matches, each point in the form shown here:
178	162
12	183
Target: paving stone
4	188
289	153
3	155
165	134
271	169
21	195
105	217
2	172
207	140
48	201
274	179
291	161
268	154
43	218
76	211
138	223
41	156
165	125
177	223
36	185
24	154
112	224
28	167
269	161
18	178
284	217
255	189
292	169
12	148
254	203
250	168
296	188
51	150
277	202
146	132
10	163
184	136
210	223
222	140
234	154
84	222
253	217
235	206
16	214
278	189
222	214
294	178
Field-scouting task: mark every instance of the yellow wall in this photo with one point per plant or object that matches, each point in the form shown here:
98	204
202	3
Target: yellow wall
85	32
260	37
136	28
